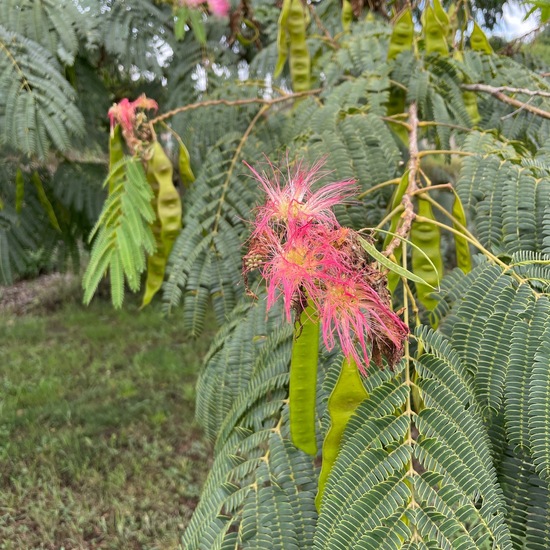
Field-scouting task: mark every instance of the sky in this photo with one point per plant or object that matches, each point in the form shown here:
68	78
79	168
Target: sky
512	24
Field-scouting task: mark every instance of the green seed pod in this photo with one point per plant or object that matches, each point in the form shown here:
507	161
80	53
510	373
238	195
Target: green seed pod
168	209
469	98
44	201
442	17
347	395
427	237
303	381
478	40
156	266
19	190
184	162
402	35
167	224
435	34
300	61
282	38
396	106
347	15
463	258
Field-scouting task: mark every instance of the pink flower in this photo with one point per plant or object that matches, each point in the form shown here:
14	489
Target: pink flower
364	324
219	8
124	112
295	202
305	255
293	269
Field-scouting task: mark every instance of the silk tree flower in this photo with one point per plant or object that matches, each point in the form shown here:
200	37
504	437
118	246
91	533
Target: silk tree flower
126	114
294	269
365	325
306	256
293	200
219	8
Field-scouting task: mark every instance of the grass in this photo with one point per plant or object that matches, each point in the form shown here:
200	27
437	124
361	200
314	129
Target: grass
98	446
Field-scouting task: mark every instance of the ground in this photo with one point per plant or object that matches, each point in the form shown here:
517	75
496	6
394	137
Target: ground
98	445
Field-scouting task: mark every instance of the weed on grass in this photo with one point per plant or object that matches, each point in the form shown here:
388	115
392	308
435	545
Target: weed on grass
98	446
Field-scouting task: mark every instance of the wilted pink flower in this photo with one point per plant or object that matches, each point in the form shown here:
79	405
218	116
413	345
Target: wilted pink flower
124	112
364	324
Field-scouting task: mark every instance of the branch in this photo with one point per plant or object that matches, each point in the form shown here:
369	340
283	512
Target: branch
238	150
232	103
414	162
498	93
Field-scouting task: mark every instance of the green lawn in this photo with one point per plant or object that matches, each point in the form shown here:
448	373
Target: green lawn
98	448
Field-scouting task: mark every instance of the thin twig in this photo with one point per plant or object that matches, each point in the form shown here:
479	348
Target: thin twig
232	103
446	186
394	181
238	150
445	152
414	162
508	89
426	123
322	28
498	93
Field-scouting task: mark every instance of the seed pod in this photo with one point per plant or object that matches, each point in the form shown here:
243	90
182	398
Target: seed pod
19	190
435	35
184	162
347	395
469	98
427	237
347	15
300	62
303	381
168	205
282	39
167	224
402	35
44	201
156	266
442	17
478	40
463	258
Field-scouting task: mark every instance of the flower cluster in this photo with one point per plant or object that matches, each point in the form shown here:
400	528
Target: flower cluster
130	119
305	255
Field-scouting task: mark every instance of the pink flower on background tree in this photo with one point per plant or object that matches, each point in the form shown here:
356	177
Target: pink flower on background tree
219	8
307	257
130	115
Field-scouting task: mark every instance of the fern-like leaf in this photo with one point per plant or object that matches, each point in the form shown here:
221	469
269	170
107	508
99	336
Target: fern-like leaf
37	104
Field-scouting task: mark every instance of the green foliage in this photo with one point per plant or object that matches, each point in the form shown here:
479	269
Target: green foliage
506	192
123	232
37	103
28	240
